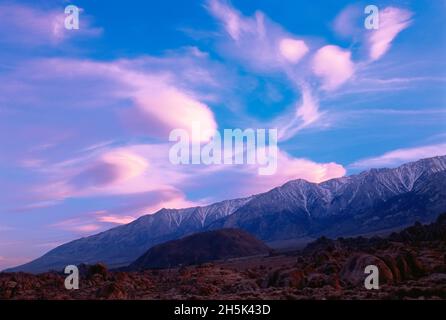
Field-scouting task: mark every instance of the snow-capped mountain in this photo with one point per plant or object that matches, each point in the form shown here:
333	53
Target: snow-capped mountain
121	245
372	201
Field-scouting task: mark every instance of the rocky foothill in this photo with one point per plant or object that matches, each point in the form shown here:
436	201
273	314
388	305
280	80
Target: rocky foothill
412	265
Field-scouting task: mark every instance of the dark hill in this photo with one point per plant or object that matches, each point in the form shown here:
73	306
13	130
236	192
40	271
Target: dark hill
199	248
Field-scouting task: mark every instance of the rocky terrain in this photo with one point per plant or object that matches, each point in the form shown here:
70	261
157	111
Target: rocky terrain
412	265
369	202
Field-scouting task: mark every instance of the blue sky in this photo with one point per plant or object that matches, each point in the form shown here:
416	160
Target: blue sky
85	114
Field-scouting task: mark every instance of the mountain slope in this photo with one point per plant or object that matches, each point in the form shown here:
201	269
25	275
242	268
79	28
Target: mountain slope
369	202
374	200
199	248
121	245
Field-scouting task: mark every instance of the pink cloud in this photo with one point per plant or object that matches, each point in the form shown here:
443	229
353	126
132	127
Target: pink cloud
399	156
141	169
126	170
6	228
132	207
87	228
391	22
281	52
178	200
159	104
349	22
114	172
146	203
143	204
11	261
116	219
32	26
113	167
296	168
293	50
232	19
31	163
158	98
104	172
288	168
76	225
249	35
307	113
333	65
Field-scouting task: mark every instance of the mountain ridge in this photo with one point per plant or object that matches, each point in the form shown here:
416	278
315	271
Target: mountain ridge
363	202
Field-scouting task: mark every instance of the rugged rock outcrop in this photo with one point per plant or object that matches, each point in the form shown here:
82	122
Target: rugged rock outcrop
412	265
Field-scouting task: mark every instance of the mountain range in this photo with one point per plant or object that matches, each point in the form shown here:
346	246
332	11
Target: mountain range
373	201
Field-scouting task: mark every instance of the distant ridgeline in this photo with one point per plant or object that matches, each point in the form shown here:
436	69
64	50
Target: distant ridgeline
374	201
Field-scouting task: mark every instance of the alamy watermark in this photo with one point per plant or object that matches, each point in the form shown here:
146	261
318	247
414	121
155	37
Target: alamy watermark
72	280
372	280
371	22
72	17
236	146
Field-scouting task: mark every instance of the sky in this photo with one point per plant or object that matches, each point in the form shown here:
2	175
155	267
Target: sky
85	114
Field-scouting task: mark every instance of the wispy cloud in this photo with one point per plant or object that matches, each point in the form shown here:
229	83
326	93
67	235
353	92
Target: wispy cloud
6	262
116	219
78	225
158	102
307	112
349	23
399	156
6	228
302	60
110	171
291	168
247	36
282	52
402	80
233	22
392	21
31	26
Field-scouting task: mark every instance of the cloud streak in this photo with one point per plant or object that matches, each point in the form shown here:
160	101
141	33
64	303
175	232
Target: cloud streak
158	103
25	25
399	156
248	36
392	21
